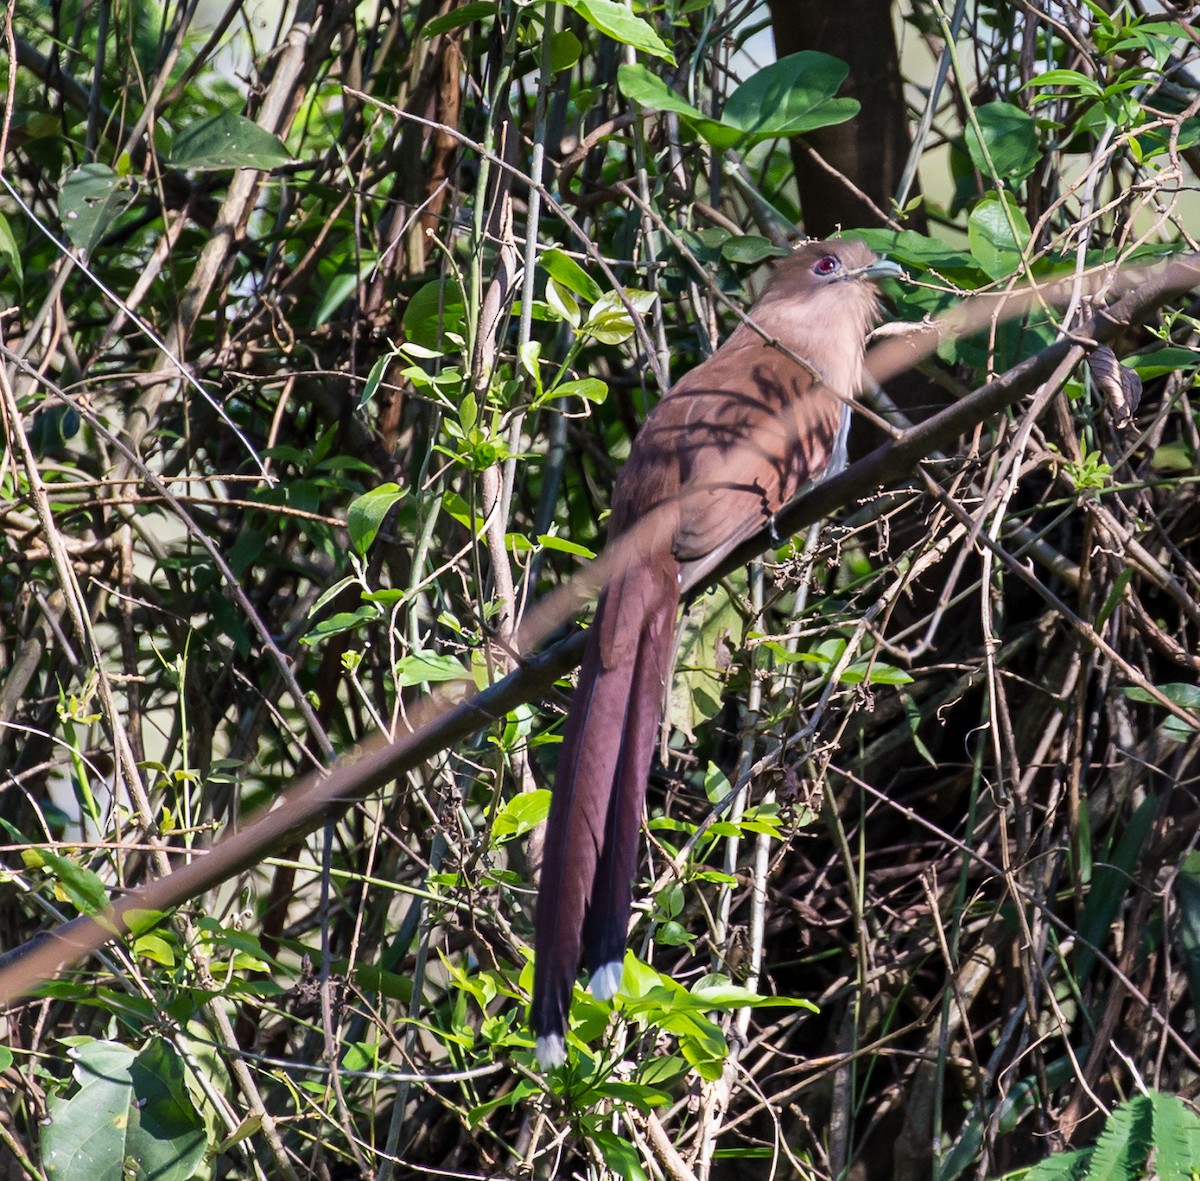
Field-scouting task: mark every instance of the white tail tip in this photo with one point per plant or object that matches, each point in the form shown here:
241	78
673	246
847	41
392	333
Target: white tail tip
551	1050
606	980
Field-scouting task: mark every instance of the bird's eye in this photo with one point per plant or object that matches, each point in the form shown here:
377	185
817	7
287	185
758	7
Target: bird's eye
826	265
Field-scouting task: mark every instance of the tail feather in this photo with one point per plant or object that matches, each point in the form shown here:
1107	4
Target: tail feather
585	891
605	931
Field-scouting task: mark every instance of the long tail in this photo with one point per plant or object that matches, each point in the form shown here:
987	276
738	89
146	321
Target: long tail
590	858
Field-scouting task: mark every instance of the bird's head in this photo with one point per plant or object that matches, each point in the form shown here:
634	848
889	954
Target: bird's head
820	303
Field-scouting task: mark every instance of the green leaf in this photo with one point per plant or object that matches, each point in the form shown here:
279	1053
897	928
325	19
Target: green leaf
342	621
520	814
990	234
1163	361
90	200
419	668
638	1095
1124	1143
912	712
639	84
609	320
336	291
367	512
156	948
10	252
789	97
1079	83
1010	136
590	389
875	673
565	49
1062	1166
374	378
84	888
716	784
436	309
570	274
618	22
619	1155
131	1119
563	546
716	992
1176	1137
227	140
466	15
915	250
560	299
1185	695
750	248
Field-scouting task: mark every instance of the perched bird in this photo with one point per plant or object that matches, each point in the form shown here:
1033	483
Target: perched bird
724	449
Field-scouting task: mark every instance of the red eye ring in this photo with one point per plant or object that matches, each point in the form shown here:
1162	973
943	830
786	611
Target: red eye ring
826	265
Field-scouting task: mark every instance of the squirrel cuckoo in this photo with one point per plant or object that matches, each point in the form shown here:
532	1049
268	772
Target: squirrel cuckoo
723	450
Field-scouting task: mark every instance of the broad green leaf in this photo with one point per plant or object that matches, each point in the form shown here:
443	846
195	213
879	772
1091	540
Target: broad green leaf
436	309
467	14
618	22
708	645
374	378
716	992
367	512
132	1118
563	302
639	84
1078	83
563	546
83	887
638	1095
590	389
915	250
716	784
619	1155
1185	695
342	621
609	320
1163	361
874	673
990	233
227	140
418	668
341	287
520	814
90	200
570	274
789	97
565	50
750	248
156	948
1010	136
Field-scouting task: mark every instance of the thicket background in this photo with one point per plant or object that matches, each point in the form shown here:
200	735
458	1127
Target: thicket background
315	377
